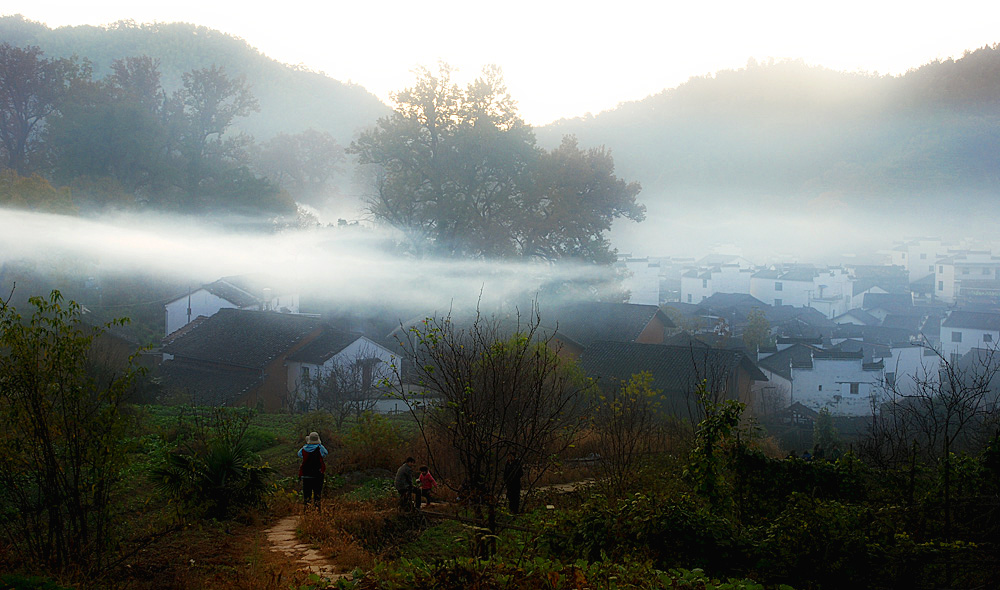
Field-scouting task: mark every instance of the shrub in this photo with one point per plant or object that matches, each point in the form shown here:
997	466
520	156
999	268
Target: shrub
460	574
216	474
257	439
317	421
18	582
670	533
842	545
373	442
215	481
65	437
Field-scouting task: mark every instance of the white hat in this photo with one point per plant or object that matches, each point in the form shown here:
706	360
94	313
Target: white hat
313	438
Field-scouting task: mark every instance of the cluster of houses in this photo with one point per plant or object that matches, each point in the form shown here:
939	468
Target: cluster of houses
842	338
847	337
240	350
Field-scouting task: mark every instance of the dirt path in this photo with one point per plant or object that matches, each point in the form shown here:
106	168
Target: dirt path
282	538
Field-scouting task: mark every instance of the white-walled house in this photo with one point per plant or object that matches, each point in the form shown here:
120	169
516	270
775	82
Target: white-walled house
226	293
918	256
960	274
839	381
643	280
698	284
777	287
961	331
827	290
357	361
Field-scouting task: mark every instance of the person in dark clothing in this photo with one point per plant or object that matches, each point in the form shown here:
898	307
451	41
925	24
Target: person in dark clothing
513	471
312	470
404	484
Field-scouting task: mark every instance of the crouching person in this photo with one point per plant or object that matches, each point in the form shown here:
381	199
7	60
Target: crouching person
312	470
404	485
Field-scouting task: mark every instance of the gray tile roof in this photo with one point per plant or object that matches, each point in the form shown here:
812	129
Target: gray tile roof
873	334
780	363
733	300
975	320
328	344
675	370
233	294
591	321
870	350
781	314
242	338
801	275
861	315
207	386
888	301
911	322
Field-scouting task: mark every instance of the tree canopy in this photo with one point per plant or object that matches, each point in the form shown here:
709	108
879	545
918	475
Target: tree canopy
458	171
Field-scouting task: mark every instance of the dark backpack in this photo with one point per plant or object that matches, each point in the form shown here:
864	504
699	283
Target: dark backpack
312	463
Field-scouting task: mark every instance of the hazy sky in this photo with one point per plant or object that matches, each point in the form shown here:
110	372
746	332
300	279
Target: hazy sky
564	59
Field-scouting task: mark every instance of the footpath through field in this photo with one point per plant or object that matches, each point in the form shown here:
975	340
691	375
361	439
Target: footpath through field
282	538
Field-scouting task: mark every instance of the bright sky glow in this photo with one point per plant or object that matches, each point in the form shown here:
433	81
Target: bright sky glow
565	59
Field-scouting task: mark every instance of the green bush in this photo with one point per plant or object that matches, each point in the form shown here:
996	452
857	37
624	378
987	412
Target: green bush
531	574
670	533
257	439
372	443
372	490
18	582
827	542
319	421
216	480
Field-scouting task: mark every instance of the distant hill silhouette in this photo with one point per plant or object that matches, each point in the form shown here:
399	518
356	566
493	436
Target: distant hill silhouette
786	132
291	99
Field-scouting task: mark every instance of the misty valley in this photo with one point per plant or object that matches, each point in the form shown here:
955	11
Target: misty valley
260	330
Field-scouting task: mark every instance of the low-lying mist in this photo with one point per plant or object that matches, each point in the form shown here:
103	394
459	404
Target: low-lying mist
825	229
355	266
351	265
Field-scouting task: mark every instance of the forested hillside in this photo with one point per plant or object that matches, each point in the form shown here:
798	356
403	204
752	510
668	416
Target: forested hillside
291	100
789	132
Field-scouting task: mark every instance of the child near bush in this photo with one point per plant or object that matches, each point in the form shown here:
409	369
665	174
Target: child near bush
426	484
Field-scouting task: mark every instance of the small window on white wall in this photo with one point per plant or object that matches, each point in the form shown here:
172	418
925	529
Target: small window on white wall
777	303
987	337
855	388
956	336
778	286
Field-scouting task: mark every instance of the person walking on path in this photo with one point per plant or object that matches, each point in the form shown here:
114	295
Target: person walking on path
426	484
312	470
512	474
404	484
